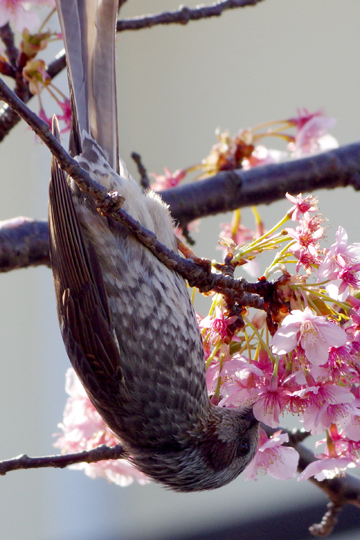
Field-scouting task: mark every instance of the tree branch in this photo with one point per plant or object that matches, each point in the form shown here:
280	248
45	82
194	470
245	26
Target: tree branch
24	242
61	461
230	190
226	191
7	37
223	192
183	15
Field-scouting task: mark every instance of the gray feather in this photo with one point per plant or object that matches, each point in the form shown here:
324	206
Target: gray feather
89	44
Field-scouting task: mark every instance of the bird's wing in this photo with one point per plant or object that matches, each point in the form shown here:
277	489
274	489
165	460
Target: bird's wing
81	297
90	54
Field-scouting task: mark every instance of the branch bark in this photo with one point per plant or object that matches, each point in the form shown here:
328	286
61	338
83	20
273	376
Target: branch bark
230	190
24	242
61	461
183	15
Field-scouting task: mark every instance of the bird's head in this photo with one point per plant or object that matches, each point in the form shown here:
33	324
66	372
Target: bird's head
209	458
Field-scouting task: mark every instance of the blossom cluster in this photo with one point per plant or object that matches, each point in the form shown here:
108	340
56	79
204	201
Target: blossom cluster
309	367
246	149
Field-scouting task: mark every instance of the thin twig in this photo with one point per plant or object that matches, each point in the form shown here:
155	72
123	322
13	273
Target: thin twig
183	15
7	37
61	461
328	522
144	179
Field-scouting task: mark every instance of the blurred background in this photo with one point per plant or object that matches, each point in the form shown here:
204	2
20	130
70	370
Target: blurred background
176	84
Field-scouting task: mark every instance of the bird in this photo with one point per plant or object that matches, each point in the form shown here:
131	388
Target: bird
127	321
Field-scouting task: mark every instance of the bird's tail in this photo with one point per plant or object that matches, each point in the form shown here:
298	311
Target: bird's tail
88	28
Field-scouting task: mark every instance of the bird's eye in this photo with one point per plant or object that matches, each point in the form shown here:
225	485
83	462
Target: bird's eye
243	448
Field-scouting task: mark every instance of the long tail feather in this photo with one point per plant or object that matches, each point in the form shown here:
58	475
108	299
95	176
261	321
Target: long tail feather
91	66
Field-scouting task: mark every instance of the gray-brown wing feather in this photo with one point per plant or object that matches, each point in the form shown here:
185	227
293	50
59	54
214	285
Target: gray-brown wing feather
83	309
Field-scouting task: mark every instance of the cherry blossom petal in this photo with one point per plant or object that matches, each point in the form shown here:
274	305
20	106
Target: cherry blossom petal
325	468
272	458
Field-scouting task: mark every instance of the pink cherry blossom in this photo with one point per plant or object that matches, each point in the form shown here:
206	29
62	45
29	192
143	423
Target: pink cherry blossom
264	156
84	429
272	458
66	116
167	180
240	380
43	116
351	423
304	116
312	136
217	327
18	12
341	266
239	234
306	246
301	206
326	468
340	453
270	403
314	333
324	405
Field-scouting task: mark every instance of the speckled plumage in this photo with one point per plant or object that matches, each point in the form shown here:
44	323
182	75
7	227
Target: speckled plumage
127	321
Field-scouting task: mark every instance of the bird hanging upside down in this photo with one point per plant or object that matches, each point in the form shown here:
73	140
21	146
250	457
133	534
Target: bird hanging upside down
127	321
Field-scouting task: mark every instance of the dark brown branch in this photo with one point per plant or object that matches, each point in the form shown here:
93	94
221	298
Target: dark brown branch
221	193
183	15
61	461
7	37
229	190
226	191
144	179
23	242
